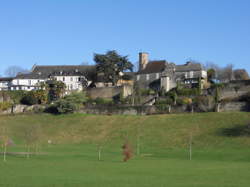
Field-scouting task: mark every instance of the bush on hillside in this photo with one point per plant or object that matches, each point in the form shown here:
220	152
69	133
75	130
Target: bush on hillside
164	104
5	105
204	103
68	104
184	101
14	96
101	101
245	98
29	99
187	92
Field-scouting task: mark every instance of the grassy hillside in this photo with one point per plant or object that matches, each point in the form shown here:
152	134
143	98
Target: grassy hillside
221	150
166	131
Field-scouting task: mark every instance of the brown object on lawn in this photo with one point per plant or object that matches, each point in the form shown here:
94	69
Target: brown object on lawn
127	152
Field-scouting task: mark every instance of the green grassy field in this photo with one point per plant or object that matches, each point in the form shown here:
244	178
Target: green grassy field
220	153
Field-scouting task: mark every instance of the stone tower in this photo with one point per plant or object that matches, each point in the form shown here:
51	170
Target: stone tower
143	60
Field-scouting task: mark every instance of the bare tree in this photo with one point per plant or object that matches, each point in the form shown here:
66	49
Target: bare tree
101	140
240	74
12	71
210	65
85	63
5	140
223	74
127	151
31	135
136	66
228	73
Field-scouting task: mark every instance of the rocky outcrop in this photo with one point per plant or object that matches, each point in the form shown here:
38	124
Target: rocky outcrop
17	109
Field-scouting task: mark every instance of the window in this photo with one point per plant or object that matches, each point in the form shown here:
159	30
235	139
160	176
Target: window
157	75
71	78
63	78
147	77
191	73
186	74
138	77
29	82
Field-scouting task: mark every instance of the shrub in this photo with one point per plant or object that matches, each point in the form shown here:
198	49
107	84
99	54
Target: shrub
14	95
145	92
41	96
245	98
29	99
184	101
163	104
5	105
102	101
63	106
76	97
162	107
68	104
187	91
166	101
204	103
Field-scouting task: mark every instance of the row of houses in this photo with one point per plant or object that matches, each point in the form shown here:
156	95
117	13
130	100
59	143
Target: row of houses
151	74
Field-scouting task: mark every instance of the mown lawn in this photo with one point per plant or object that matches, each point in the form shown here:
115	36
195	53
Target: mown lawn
221	156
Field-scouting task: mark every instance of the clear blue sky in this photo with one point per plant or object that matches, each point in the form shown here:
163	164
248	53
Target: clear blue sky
70	31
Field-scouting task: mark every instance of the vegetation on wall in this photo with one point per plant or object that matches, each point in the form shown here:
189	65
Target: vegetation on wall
14	97
68	104
5	105
55	89
35	97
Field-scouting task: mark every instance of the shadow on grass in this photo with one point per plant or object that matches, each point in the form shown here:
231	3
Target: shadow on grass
236	131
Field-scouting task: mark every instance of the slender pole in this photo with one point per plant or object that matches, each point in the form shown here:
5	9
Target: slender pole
4	153
99	153
138	140
190	146
28	154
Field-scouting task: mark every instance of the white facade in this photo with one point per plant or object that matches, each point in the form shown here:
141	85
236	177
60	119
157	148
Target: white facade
72	82
25	84
4	85
204	74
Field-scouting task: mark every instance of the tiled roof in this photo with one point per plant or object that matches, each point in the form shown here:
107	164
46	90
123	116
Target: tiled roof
154	67
30	76
6	79
189	66
43	72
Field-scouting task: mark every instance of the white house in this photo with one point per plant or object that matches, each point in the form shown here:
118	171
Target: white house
28	82
5	83
73	80
74	77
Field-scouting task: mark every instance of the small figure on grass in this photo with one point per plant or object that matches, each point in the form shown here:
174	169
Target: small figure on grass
127	151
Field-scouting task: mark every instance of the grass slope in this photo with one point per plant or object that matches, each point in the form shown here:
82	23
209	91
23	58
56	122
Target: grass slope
218	158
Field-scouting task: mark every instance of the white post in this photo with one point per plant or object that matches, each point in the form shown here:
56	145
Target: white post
190	146
4	152
99	153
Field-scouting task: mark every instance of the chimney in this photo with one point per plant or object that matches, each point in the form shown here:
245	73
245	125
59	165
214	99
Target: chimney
143	60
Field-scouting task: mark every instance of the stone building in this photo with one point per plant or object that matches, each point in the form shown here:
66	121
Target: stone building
164	75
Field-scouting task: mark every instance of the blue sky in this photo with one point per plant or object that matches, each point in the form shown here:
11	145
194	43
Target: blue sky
70	31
